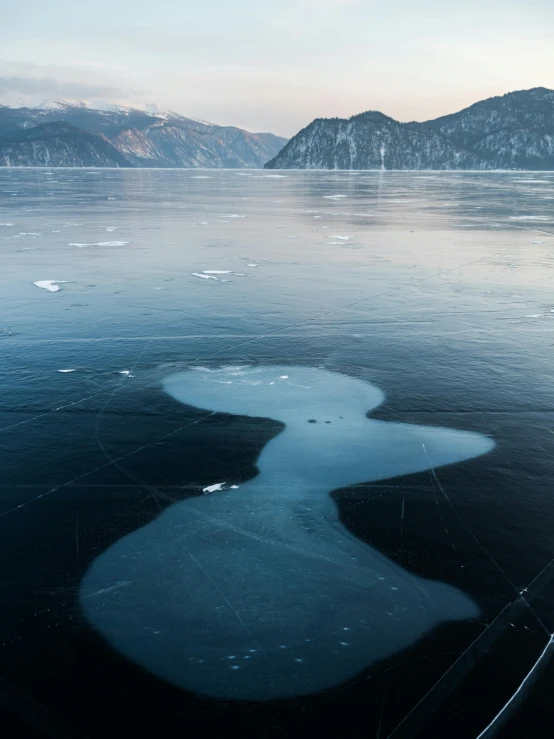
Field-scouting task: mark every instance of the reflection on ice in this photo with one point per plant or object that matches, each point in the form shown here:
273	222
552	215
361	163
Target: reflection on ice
261	592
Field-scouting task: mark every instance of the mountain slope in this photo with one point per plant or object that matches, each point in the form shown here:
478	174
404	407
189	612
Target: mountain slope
515	131
512	131
57	145
158	139
371	141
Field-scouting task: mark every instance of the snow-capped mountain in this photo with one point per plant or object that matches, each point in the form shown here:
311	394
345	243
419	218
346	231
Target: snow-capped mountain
143	138
515	131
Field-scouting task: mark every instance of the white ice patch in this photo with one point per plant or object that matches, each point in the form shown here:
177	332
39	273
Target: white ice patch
278	547
216	272
252	265
334	197
214	488
52	286
100	243
231	215
204	277
341	238
530	218
7	224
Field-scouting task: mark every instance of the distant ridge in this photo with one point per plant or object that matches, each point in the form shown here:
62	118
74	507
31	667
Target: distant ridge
58	144
126	137
512	131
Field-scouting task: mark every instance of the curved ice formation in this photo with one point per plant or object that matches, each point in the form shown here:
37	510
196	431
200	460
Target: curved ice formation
261	592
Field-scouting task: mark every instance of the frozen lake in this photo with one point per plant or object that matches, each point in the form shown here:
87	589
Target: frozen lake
277	451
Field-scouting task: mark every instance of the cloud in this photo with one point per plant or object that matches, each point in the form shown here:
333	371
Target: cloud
51	88
24	83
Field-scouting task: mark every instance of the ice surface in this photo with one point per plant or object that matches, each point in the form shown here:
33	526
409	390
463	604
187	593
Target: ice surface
269	574
203	276
52	285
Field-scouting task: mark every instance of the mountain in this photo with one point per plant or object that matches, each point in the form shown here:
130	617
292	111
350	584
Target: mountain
151	139
57	145
512	131
515	131
371	141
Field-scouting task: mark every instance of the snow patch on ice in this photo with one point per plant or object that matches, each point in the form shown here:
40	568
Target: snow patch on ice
530	218
52	286
99	243
214	488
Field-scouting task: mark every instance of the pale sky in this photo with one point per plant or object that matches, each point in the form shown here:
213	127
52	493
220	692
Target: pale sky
275	65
